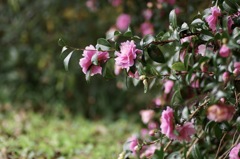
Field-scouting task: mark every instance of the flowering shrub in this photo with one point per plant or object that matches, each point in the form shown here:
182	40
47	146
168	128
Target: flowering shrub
194	66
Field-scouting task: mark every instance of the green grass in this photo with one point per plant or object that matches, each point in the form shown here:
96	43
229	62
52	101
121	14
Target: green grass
26	135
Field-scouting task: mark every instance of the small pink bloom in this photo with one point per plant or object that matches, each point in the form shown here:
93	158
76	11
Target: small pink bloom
128	53
123	21
91	4
168	85
234	153
178	11
147	14
182	55
86	62
202	49
149	151
167	123
144	132
194	81
116	3
213	18
224	51
133	75
133	142
230	23
186	39
220	112
153	125
226	77
185	131
147	28
236	70
147	115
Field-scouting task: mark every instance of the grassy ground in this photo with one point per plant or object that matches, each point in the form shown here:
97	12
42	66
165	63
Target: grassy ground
27	135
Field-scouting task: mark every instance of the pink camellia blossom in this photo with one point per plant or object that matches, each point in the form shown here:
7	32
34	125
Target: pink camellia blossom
128	53
234	153
213	18
168	85
86	62
133	75
167	123
133	142
220	112
202	49
185	131
236	70
147	115
149	151
147	14
226	77
146	28
230	23
224	51
194	82
116	3
171	2
123	21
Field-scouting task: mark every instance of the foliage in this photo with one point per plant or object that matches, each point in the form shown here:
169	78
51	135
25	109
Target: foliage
25	134
194	66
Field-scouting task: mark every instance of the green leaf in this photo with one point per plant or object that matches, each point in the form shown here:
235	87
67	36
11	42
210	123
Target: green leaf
108	69
229	8
94	59
61	42
175	155
232	5
66	60
103	44
176	98
196	152
155	54
179	66
159	154
128	33
147	40
197	21
116	33
173	19
88	75
206	35
218	132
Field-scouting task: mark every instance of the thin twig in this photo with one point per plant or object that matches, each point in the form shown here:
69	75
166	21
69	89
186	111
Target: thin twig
195	141
168	144
219	146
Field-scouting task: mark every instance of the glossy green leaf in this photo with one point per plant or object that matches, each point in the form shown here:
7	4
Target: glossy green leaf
108	69
103	44
128	33
61	42
88	75
147	40
196	152
179	66
155	54
229	8
206	35
173	19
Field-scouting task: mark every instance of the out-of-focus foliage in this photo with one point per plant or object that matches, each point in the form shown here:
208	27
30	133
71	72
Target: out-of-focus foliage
31	68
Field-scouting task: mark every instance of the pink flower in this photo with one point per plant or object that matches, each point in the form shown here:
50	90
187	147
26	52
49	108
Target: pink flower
147	28
123	21
182	55
194	81
220	112
86	63
178	10
213	18
133	75
153	125
167	123
186	39
230	23
117	70
224	51
116	3
168	85
202	49
133	142
236	70
185	131
234	153
127	55
147	14
171	2
225	77
91	4
159	101
147	115
149	151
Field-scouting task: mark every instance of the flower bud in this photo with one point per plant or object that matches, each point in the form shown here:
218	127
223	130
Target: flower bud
151	132
225	77
142	77
220	112
224	51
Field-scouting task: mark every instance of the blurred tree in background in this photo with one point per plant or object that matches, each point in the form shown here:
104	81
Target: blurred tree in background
32	73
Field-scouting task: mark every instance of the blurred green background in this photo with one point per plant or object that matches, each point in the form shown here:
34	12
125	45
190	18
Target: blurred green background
32	71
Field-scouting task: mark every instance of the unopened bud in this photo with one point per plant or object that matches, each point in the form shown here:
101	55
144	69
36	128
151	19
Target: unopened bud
224	40
122	155
225	77
137	148
142	77
152	132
